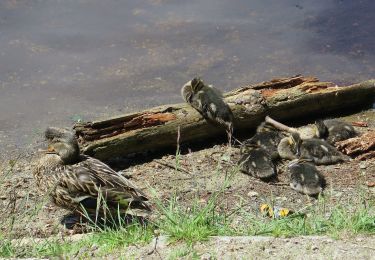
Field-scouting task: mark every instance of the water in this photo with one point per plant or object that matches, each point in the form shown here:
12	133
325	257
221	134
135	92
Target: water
64	60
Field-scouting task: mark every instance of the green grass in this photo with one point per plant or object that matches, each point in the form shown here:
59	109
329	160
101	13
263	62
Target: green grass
346	218
104	242
198	223
195	223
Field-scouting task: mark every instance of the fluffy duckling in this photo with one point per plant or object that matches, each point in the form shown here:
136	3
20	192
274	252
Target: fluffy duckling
305	177
266	137
84	184
321	152
334	130
256	161
209	102
286	149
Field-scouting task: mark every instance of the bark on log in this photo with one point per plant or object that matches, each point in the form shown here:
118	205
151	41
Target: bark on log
157	128
362	147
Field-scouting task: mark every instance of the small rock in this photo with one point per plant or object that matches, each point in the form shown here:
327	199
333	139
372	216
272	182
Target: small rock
282	198
252	194
362	166
206	256
338	194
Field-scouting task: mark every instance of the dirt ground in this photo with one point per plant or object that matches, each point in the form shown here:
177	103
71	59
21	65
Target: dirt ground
305	247
200	174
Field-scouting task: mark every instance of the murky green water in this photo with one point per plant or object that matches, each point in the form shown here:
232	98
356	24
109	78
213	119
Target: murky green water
63	60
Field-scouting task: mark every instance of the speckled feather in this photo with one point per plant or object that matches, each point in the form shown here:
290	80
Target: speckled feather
267	138
334	130
305	178
321	152
208	101
257	162
71	185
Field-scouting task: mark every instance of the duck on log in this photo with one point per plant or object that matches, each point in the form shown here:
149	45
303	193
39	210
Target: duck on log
157	128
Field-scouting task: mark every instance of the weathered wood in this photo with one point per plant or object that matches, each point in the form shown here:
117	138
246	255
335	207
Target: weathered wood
362	147
156	128
279	125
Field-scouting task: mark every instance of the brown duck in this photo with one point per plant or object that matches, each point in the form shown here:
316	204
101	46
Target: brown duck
83	184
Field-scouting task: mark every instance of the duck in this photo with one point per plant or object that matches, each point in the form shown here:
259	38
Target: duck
334	130
268	138
209	102
305	177
286	149
320	151
257	162
82	184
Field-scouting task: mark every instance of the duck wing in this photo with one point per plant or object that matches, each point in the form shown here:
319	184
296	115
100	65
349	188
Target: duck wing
321	152
91	182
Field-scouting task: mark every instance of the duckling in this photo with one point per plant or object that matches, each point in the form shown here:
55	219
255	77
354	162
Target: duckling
286	149
84	184
266	137
334	130
209	102
305	177
318	150
256	161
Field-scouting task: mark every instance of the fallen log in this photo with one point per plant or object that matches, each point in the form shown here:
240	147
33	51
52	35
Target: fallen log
157	128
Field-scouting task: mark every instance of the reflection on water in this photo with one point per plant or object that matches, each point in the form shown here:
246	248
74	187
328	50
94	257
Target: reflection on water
71	59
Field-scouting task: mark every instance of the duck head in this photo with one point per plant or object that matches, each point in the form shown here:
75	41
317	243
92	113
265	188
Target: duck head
321	130
295	142
64	144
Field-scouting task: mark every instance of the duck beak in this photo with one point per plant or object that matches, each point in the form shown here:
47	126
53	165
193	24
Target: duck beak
50	150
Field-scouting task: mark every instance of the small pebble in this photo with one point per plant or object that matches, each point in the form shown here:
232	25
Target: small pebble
206	256
252	194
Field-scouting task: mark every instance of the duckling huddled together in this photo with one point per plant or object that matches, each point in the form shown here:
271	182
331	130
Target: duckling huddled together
260	155
305	154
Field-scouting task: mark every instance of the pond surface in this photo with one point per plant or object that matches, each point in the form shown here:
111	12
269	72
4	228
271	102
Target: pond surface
64	60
